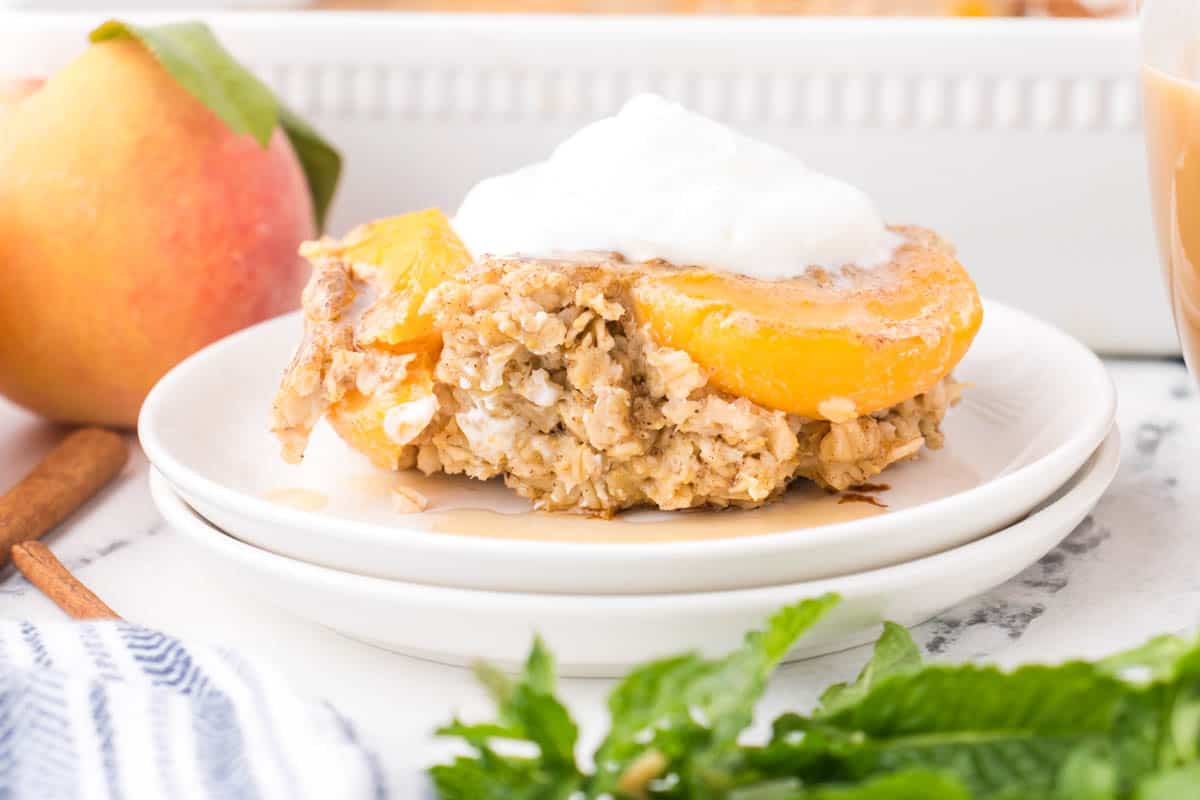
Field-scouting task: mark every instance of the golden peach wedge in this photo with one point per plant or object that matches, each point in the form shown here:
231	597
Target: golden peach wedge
822	346
410	255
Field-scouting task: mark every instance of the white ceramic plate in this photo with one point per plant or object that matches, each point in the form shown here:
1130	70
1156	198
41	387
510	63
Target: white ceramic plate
1038	406
605	635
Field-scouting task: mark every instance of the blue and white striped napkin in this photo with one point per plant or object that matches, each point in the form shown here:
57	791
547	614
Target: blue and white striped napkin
112	711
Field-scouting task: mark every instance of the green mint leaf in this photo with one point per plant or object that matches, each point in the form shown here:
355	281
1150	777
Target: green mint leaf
530	709
1160	727
499	686
540	672
1184	726
689	711
1177	784
1124	728
527	711
478	734
195	58
1087	774
467	779
784	789
906	785
546	722
1000	733
895	653
489	776
1069	698
1157	660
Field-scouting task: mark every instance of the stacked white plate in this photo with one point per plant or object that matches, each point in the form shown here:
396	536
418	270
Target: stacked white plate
1029	452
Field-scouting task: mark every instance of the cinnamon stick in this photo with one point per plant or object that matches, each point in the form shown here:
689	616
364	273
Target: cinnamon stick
46	572
76	469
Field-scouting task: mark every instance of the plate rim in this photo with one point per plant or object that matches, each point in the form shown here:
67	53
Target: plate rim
1084	489
1077	447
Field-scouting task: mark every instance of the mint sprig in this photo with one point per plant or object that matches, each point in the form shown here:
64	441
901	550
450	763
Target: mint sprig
528	713
691	710
195	58
1123	728
895	654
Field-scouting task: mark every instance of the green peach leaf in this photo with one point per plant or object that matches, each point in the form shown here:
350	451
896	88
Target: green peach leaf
192	55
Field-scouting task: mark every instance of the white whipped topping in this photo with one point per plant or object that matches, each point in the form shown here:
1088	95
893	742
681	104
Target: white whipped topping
404	422
658	181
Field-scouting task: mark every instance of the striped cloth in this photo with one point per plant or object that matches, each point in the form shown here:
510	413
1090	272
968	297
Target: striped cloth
110	710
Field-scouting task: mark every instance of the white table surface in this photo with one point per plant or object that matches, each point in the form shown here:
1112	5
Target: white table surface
1132	569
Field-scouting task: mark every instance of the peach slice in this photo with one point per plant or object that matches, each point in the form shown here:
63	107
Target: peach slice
404	258
365	421
414	253
823	346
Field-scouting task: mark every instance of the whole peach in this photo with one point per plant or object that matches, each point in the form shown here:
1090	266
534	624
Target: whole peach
14	90
135	228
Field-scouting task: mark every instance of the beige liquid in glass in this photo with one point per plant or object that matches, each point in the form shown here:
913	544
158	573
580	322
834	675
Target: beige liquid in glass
1172	110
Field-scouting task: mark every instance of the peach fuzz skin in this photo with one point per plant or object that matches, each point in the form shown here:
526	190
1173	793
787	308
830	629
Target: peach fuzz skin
135	228
14	90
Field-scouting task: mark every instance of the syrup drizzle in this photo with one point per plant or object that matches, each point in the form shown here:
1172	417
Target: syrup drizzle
303	499
807	507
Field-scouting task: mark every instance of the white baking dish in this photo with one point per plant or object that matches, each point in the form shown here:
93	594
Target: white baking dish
1018	139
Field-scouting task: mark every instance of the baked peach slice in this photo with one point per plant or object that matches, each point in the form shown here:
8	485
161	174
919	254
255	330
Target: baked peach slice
408	255
369	352
824	346
405	258
380	423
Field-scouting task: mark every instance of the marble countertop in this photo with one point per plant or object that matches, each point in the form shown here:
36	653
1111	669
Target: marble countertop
1131	570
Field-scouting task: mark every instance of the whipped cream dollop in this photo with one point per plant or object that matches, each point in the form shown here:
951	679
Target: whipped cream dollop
659	181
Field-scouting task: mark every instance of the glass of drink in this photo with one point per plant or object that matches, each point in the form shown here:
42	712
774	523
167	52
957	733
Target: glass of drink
1171	97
